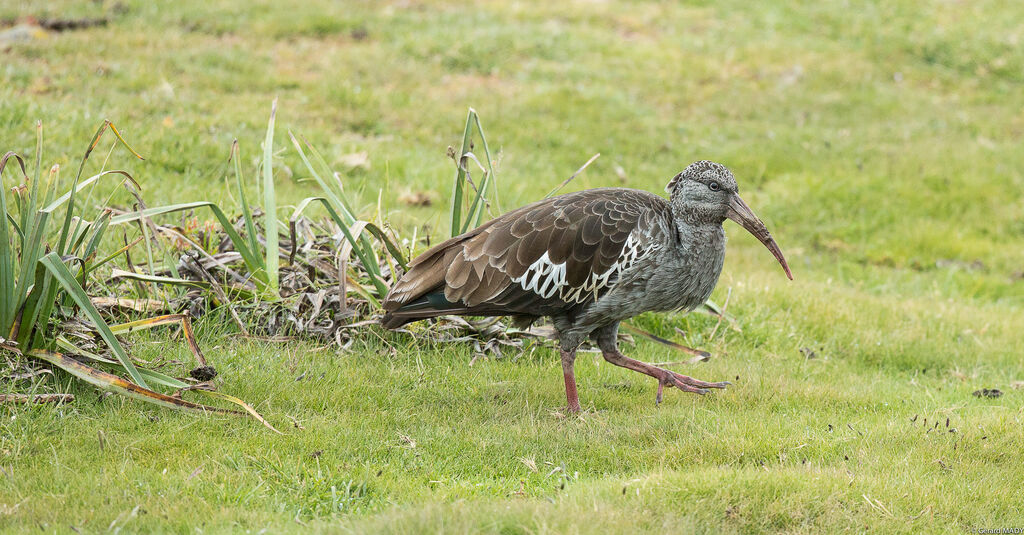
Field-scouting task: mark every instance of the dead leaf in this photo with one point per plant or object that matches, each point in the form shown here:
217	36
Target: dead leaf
138	305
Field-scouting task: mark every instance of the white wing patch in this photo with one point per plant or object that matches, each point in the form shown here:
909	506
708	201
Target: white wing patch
547	279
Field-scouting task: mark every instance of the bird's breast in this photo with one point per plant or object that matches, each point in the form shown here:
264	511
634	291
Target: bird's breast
680	276
687	275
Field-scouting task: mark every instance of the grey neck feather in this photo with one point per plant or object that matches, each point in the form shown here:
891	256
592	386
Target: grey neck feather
695	215
701	236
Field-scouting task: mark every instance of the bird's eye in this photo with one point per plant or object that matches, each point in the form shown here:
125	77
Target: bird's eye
714	186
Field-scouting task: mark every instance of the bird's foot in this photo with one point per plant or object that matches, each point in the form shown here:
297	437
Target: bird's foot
685	383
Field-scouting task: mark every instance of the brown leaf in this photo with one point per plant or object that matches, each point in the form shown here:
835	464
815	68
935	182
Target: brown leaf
138	305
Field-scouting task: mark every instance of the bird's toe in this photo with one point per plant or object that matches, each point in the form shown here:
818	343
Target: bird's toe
698	383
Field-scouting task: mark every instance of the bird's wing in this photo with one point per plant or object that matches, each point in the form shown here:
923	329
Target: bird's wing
552	255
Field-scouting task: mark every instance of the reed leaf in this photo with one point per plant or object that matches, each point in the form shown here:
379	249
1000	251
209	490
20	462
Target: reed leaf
252	261
113	383
460	177
67	281
270	205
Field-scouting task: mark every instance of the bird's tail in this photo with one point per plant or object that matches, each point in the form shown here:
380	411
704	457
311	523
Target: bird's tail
430	305
419	294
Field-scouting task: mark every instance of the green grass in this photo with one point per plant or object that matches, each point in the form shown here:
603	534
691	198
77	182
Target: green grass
881	143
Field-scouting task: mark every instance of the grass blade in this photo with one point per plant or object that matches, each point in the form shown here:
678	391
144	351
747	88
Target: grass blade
157	279
337	199
34	195
54	204
664	341
146	324
112	256
341	205
123	142
573	176
248	408
111	382
183	320
69	213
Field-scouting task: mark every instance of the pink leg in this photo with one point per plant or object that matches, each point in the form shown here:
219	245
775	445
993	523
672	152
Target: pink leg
665	377
568	359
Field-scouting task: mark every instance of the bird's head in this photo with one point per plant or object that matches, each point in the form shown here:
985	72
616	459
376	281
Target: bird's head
707	193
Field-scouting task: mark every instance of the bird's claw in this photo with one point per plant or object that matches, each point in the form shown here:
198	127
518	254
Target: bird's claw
685	383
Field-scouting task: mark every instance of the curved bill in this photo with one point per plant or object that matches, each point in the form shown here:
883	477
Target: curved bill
742	214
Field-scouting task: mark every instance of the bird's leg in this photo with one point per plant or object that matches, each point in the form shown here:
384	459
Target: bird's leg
568	359
606	340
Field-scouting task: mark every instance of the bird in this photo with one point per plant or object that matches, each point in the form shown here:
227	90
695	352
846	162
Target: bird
588	260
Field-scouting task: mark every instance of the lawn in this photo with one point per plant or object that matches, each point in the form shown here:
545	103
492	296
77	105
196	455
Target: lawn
880	142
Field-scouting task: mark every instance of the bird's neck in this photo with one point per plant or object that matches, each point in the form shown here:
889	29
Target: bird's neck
695	221
689	271
695	216
702	234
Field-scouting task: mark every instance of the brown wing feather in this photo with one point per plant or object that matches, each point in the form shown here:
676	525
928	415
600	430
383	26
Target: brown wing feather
475	272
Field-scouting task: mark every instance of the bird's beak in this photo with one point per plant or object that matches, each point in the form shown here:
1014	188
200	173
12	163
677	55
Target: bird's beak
741	213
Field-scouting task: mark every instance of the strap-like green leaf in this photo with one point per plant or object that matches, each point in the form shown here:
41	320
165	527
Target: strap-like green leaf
250	226
9	298
67	281
460	177
252	261
359	244
270	204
